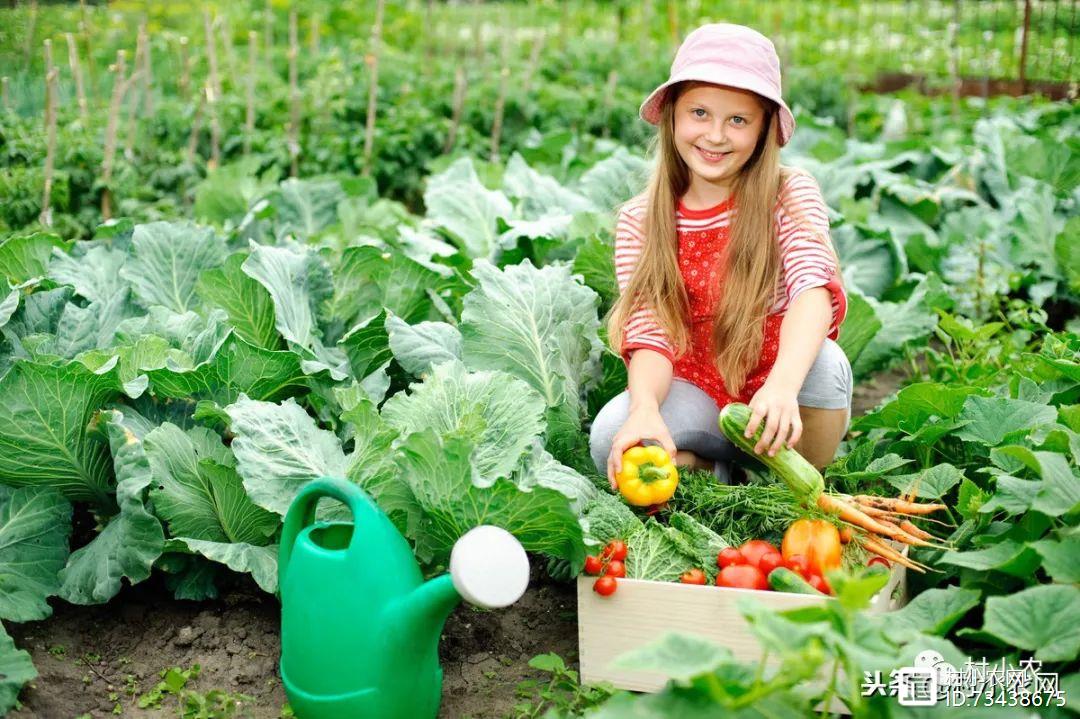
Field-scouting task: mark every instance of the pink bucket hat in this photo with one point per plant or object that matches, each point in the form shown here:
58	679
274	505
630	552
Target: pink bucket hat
731	55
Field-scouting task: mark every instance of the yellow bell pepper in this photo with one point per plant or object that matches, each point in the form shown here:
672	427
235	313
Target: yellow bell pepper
648	476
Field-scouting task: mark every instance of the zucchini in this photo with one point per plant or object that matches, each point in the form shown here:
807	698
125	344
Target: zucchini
798	474
783	579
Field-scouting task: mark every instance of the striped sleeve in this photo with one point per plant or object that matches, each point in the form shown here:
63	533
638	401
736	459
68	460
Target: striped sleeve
807	254
641	330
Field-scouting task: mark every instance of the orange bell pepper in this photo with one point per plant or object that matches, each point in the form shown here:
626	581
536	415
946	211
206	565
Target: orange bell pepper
815	539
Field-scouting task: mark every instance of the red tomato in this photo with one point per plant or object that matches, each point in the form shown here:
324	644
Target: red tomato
742	576
693	576
604	586
729	557
754	549
615	549
879	560
770	561
615	568
798	564
593	565
819	583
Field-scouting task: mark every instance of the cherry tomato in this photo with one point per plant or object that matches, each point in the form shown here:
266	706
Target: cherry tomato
846	535
879	560
729	557
770	561
693	576
754	549
604	586
615	549
798	564
819	583
593	565
742	576
615	568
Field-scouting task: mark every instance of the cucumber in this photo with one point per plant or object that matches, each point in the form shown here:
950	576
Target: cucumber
783	579
798	474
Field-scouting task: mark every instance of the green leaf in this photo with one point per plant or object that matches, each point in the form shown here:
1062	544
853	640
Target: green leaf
933	611
198	493
16	669
247	303
371	465
932	483
8	306
34	526
258	561
27	257
370	278
367	345
1061	559
970	498
278	449
458	202
992	418
228	191
658	553
499	414
305	207
96	275
861	325
675	656
550	662
236	368
1011	494
916	404
298	281
443	478
1044	619
44	411
1007	556
614	180
133	539
540	195
418	348
854	591
595	262
903	323
169	256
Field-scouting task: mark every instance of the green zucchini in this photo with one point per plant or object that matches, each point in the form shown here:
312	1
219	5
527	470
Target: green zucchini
798	474
783	579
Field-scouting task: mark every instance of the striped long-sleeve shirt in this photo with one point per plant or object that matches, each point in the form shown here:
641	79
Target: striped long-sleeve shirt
806	263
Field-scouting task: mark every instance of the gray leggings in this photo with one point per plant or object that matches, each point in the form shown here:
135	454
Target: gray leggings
692	416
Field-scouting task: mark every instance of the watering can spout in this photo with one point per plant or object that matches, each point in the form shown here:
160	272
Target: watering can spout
424	610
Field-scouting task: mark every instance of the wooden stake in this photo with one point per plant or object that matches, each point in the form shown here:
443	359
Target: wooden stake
215	128
313	36
534	63
51	74
249	118
460	87
673	22
147	70
294	99
76	72
500	102
268	34
196	127
185	68
31	26
119	87
1024	46
211	56
372	60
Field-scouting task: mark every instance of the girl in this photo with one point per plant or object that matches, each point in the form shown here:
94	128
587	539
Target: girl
729	285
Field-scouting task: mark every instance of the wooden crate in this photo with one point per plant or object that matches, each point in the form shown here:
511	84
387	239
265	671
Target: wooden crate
641	611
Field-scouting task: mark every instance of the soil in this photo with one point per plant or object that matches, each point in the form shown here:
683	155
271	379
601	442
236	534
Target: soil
92	660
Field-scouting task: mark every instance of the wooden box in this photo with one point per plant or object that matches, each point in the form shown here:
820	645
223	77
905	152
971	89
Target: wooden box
641	611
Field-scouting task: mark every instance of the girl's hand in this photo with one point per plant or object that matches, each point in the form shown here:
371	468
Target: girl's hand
642	424
779	408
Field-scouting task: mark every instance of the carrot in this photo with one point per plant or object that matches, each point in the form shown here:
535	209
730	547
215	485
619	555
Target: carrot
872	544
906	538
915	531
854	516
897	505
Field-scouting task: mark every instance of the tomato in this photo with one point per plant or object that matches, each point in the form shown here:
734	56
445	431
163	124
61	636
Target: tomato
770	561
604	586
693	576
754	549
742	576
819	583
615	549
879	560
593	565
615	568
846	535
728	557
798	564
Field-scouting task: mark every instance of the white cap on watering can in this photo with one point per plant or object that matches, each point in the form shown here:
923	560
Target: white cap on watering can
489	568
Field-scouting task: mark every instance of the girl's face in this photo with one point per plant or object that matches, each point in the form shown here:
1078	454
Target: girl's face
716	131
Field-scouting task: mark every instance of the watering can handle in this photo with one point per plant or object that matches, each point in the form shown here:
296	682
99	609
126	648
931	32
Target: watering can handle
302	511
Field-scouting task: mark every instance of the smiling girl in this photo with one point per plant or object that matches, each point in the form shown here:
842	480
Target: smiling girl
729	284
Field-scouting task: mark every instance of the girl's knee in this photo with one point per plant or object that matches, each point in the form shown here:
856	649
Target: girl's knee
605	426
829	383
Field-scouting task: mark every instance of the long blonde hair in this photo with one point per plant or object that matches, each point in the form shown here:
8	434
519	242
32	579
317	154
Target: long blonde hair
750	265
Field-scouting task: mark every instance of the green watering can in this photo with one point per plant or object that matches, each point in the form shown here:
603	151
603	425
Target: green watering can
359	625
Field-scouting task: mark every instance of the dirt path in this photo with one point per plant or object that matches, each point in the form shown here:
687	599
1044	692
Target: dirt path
92	660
